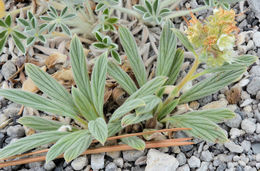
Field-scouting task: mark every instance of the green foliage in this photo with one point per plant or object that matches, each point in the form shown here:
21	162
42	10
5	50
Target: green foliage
104	4
152	11
106	23
105	43
7	29
134	142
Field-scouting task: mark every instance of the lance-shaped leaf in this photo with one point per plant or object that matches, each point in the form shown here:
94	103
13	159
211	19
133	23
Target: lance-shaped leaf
167	109
31	142
149	88
134	119
98	80
176	67
127	107
35	101
131	50
85	107
64	143
134	142
50	86
114	127
211	85
41	124
98	129
151	101
79	67
200	127
121	77
167	50
214	115
78	147
184	40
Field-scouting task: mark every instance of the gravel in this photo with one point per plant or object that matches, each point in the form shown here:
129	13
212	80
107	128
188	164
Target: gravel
254	86
232	147
194	162
8	69
132	155
16	131
97	161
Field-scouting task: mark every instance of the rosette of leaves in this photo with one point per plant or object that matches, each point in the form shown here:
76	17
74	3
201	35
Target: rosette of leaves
33	29
203	122
84	105
106	23
104	4
152	12
225	4
105	43
55	20
7	29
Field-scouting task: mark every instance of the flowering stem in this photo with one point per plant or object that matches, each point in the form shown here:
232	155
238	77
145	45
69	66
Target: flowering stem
186	12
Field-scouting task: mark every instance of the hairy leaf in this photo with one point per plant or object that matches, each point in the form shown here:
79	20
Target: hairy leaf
133	119
211	85
127	107
121	77
114	127
151	101
31	142
98	80
167	109
98	129
134	142
167	48
131	50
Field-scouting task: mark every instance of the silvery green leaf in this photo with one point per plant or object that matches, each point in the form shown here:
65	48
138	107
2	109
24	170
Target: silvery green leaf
64	11
131	119
8	20
121	77
164	12
2	43
65	29
167	109
99	45
130	47
167	49
99	36
98	80
46	18
134	142
79	67
52	27
126	108
30	41
116	56
211	85
2	24
77	148
140	9
100	6
112	20
50	86
69	16
200	127
54	11
3	33
113	128
151	101
147	16
176	67
31	142
23	22
42	38
33	22
64	143
149	88
156	6
98	129
85	107
184	40
149	6
19	35
18	43
39	123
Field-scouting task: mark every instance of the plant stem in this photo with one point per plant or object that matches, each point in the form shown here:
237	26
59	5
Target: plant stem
127	11
166	3
14	12
186	12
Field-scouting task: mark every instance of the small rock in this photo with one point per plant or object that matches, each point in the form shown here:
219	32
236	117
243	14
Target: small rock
8	69
257	157
243	82
258	95
204	166
256	38
246	102
15	131
186	148
194	105
248	126
181	159
256	148
157	160
254	86
246	145
232	147
194	162
132	155
258	128
3	118
222	103
255	71
234	133
141	160
49	166
79	163
119	162
111	167
97	161
114	154
184	168
206	156
234	122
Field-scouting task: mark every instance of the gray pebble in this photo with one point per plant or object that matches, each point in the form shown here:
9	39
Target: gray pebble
235	122
194	162
15	131
254	86
97	161
132	155
119	162
79	163
49	166
206	156
248	126
184	168
181	159
111	167
232	147
8	69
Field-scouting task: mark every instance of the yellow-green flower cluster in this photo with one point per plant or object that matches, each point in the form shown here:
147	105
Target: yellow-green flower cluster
215	37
